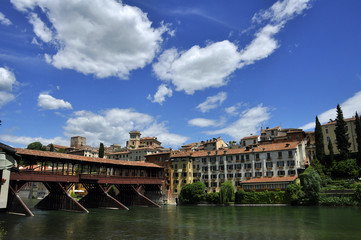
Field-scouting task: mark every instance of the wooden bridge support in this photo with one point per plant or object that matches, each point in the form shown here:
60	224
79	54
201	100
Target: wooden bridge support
98	197
134	195
15	204
59	199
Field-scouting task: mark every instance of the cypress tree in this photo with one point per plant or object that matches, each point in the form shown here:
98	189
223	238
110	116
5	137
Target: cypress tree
331	156
358	139
101	150
341	134
51	148
320	149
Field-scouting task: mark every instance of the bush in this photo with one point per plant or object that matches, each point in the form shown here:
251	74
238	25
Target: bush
337	201
239	196
294	193
212	197
192	193
345	169
311	185
264	197
357	193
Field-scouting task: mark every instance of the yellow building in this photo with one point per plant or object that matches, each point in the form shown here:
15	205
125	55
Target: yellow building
328	131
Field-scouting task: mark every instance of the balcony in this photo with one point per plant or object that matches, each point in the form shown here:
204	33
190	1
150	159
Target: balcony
257	159
248	169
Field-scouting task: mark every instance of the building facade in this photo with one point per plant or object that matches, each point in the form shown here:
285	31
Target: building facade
328	131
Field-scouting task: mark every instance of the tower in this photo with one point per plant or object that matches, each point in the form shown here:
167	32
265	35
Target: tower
134	139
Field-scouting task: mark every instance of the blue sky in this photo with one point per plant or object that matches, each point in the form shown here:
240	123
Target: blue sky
183	71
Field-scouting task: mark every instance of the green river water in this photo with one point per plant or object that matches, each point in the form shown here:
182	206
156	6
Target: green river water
188	222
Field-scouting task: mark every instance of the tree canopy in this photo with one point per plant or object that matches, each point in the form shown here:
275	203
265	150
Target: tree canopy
320	149
36	146
192	193
227	192
101	150
311	185
341	134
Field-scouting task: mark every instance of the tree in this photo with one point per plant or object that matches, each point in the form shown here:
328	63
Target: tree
311	185
294	193
227	192
358	139
341	134
36	146
331	155
101	150
320	149
51	146
192	193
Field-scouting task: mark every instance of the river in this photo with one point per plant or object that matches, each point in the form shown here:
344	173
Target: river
188	222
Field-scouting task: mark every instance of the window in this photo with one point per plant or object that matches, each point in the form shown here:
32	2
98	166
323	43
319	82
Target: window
328	139
214	176
248	174
258	174
279	154
269	174
230	175
229	158
214	184
238	166
290	154
326	130
205	177
176	166
230	167
205	168
184	165
254	141
280	164
204	160
184	174
248	165
268	155
269	164
242	157
214	168
176	181
221	167
257	155
237	157
281	173
221	176
238	175
247	157
257	165
291	163
184	181
291	172
213	159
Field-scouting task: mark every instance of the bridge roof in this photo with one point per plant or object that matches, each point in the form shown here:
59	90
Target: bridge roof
63	156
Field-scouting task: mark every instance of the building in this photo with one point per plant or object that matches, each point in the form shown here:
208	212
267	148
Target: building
210	145
8	159
267	161
77	142
162	159
328	131
251	140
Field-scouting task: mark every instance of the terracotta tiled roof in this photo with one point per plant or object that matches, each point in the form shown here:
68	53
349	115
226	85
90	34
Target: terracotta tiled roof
346	120
270	180
116	153
60	146
250	137
29	152
260	148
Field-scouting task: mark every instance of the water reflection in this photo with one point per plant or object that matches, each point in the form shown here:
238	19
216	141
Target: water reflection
193	223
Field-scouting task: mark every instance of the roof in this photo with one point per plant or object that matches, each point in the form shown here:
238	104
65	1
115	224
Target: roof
60	146
9	150
250	137
37	153
334	122
270	180
227	151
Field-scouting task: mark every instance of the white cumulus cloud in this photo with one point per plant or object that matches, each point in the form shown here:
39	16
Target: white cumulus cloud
201	68
349	108
23	140
162	92
7	81
104	38
113	126
47	101
249	122
212	102
204	122
4	20
198	68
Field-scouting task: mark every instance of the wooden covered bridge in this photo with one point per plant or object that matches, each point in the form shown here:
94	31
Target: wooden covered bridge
136	183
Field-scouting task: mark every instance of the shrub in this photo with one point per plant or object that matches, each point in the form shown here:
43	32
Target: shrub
212	197
239	196
345	169
311	185
192	193
357	193
294	193
337	201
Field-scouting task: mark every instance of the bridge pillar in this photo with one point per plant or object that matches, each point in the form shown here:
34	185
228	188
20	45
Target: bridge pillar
98	197
134	195
59	199
15	204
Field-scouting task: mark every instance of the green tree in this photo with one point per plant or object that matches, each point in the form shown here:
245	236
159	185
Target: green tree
358	139
311	185
192	193
331	155
226	194
320	149
341	134
51	146
294	193
101	150
36	146
61	150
